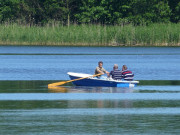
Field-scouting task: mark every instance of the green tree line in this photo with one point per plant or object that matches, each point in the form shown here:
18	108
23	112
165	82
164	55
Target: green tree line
105	12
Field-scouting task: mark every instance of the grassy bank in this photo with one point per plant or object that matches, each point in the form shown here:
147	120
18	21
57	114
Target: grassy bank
154	35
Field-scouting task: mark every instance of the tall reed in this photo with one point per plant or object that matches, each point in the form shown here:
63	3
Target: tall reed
153	35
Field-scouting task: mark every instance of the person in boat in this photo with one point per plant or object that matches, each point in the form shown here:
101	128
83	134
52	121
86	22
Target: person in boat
127	74
116	73
100	69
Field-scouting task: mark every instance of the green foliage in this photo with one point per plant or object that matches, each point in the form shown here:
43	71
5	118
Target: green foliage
150	11
55	10
177	13
111	12
8	10
123	12
154	34
92	11
175	8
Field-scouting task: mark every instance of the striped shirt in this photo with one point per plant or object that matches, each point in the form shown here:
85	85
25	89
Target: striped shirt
127	75
116	74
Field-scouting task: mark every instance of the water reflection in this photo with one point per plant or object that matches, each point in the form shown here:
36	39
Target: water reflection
38	86
84	89
87	121
57	89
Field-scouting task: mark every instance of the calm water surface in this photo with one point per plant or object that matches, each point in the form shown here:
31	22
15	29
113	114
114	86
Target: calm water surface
28	107
52	63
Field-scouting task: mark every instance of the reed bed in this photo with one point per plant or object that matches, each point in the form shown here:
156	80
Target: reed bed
91	35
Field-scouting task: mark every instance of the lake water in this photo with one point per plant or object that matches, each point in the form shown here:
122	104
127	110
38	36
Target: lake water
28	107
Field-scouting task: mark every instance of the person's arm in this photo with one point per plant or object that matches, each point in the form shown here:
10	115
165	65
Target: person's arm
122	75
110	74
106	72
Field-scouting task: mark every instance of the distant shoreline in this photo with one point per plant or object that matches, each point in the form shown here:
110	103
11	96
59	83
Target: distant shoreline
83	45
91	35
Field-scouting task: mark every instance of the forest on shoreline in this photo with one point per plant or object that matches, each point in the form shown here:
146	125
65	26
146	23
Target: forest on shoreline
90	22
104	12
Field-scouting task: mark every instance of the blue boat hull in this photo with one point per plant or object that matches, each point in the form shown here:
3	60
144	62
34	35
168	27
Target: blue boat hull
100	83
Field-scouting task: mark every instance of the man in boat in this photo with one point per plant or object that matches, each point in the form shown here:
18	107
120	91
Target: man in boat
127	74
116	73
100	69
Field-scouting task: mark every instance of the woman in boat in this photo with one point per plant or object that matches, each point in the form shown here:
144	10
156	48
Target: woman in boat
127	74
116	73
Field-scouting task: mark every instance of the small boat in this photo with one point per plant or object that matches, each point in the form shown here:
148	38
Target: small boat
89	80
